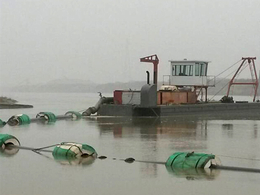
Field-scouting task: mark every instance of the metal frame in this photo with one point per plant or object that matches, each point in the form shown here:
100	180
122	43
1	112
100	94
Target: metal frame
254	76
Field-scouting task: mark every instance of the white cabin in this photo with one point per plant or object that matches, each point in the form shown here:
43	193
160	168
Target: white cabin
188	73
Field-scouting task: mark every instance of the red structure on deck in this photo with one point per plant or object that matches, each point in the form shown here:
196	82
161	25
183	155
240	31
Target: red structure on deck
155	60
251	64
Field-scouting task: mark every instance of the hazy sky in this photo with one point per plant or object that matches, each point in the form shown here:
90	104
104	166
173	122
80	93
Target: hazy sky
102	40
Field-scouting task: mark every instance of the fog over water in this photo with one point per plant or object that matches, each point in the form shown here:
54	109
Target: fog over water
102	41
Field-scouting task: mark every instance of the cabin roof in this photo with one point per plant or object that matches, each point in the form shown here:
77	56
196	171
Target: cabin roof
188	61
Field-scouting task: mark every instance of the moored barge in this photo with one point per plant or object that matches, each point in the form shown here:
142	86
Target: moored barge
188	81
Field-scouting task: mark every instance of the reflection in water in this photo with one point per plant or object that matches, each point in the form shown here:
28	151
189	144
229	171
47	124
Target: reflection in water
8	151
227	126
69	160
194	174
149	169
76	161
183	133
228	129
152	127
158	136
181	130
255	130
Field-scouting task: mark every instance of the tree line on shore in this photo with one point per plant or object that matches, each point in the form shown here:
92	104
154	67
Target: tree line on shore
81	86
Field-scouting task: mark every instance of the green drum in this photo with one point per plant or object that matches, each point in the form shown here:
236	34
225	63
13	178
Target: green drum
70	150
6	139
20	119
187	160
74	115
48	116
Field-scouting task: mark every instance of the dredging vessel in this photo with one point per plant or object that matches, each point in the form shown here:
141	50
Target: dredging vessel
187	81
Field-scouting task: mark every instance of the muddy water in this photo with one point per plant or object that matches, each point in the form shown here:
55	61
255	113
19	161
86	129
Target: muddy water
235	141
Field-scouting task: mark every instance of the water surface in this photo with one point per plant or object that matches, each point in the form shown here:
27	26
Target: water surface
234	140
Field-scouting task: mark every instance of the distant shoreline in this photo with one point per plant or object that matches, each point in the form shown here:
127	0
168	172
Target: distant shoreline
82	86
14	106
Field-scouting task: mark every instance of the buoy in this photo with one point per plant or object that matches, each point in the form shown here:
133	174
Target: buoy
70	150
2	123
48	116
20	119
6	139
75	115
187	160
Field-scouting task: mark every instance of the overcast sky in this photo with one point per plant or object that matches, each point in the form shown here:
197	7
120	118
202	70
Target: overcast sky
102	40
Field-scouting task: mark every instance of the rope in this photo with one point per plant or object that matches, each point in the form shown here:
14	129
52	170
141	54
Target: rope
46	147
240	157
219	91
131	97
245	65
229	67
226	69
227	76
27	148
42	154
155	112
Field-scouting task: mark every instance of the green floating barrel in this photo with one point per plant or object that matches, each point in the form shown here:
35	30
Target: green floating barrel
20	119
48	116
75	115
186	160
70	150
2	123
6	139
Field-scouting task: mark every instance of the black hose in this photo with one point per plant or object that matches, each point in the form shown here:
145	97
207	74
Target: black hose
229	168
94	109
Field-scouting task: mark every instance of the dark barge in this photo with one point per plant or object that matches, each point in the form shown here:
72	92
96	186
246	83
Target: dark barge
209	109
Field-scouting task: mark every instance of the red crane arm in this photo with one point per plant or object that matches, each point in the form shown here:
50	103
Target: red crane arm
155	60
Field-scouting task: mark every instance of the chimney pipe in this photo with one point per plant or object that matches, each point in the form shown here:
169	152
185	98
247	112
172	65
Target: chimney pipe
148	77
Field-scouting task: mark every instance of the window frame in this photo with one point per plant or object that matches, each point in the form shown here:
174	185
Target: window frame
182	70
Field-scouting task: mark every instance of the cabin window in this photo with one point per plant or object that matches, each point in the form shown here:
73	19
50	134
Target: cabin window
182	70
197	69
201	69
191	70
173	71
178	70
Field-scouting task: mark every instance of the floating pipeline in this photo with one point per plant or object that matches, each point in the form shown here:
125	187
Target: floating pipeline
68	153
20	119
188	164
5	140
45	117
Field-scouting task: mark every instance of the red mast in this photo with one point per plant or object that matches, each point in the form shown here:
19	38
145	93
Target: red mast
155	60
253	75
